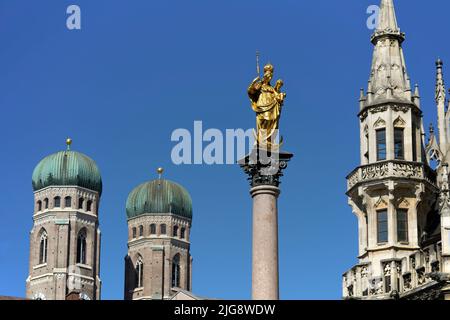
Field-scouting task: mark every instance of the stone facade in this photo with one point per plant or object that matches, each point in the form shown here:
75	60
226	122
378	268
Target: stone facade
159	245
395	193
64	244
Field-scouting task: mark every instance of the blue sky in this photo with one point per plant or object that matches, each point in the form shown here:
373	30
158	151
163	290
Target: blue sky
140	69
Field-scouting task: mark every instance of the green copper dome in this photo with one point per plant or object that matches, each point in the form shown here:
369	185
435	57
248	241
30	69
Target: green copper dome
159	197
67	168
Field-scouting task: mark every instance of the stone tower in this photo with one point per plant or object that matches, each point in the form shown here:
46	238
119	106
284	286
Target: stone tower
65	238
394	193
158	264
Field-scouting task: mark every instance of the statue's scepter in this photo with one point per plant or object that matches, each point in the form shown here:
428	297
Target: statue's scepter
258	71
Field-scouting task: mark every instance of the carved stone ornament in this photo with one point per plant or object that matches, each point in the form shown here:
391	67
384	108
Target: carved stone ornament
378	109
381	203
264	167
379	123
387	269
399	122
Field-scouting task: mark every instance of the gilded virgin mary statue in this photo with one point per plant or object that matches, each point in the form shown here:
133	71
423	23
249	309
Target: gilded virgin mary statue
267	101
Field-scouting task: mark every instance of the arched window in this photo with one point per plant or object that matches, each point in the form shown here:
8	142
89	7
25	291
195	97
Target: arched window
43	245
141	231
89	206
57	202
81	247
163	229
139	273
67	202
182	233
153	228
46	203
134	233
175	231
39	205
80	203
176	271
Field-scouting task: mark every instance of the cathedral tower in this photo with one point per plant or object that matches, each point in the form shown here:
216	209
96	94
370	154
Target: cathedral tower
65	238
158	264
394	191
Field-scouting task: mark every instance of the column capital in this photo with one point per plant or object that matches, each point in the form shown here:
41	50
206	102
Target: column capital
265	168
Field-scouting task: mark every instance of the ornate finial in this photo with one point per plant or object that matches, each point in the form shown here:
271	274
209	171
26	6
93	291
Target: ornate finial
68	143
440	86
160	172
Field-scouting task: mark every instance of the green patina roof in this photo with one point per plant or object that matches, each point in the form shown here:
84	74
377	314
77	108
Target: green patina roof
159	197
67	168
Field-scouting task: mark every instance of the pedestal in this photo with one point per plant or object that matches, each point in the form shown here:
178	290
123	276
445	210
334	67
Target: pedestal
265	170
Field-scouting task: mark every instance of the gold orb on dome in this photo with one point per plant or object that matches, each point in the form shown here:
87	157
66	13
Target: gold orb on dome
160	170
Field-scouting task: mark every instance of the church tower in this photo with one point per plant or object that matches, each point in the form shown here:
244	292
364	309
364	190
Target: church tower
65	238
158	264
394	192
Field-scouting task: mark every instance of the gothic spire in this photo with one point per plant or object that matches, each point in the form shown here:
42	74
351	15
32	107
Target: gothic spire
440	102
389	79
387	21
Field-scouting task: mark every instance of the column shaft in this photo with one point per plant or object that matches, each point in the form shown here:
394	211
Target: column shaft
265	243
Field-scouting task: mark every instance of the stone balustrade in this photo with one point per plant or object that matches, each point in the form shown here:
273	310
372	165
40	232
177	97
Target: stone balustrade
390	169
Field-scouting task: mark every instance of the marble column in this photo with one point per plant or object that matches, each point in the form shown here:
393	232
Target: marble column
264	173
265	243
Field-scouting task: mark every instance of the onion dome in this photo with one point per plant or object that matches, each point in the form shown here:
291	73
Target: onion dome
159	197
67	168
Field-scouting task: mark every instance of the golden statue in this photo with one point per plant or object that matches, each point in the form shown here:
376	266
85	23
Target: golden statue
267	102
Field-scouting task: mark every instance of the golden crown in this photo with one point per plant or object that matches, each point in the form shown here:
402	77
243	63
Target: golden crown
268	67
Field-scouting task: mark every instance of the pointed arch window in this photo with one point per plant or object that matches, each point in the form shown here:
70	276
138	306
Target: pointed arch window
134	232
43	246
46	203
176	271
39	205
153	229
57	202
183	233
80	203
89	206
139	273
163	229
81	247
141	231
175	231
67	202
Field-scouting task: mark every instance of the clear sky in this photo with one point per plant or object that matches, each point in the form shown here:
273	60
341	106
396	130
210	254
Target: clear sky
140	69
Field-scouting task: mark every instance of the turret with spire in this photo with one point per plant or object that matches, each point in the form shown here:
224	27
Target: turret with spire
394	192
389	78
